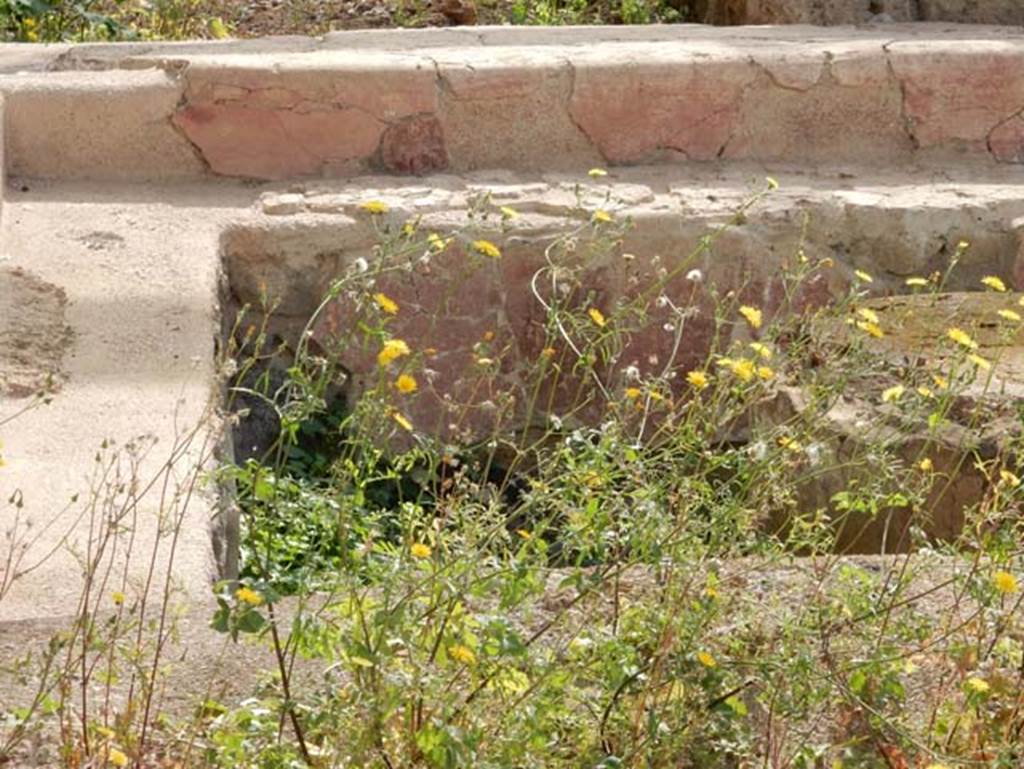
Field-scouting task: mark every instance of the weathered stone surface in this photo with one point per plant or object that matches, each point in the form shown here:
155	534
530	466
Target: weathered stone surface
414	146
980	425
833	12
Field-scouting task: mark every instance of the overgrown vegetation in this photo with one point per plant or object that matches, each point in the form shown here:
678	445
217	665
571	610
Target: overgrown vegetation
50	21
611	568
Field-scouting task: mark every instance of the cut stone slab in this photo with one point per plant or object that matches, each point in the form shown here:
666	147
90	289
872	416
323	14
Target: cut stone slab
552	100
832	12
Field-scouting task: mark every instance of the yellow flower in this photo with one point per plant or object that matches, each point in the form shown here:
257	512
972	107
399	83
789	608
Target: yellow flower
925	465
402	420
1005	583
916	282
118	597
596	173
752	314
790	444
705	659
863	276
869	315
386	303
437	243
117	758
871	329
980	362
507	212
925	392
462	654
523	533
419	550
602	216
893	394
1010	315
406	384
962	338
765	372
940	381
548	352
597	317
249	596
762	350
743	369
486	248
392	350
697	379
375	207
991	281
936	766
633	393
963	245
485	362
978	685
1009	478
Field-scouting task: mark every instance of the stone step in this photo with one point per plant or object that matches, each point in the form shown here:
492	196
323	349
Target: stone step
891	226
926	95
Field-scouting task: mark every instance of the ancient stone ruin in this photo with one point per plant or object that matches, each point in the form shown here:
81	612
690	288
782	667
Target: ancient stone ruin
150	188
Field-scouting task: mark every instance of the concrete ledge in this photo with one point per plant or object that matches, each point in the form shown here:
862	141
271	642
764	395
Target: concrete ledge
522	100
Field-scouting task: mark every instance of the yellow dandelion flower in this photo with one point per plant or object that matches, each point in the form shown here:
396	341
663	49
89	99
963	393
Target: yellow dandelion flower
462	654
488	336
402	420
1010	315
406	384
926	465
633	393
507	212
893	394
375	207
597	317
117	758
1005	583
790	444
706	659
916	282
742	369
983	363
763	350
1009	478
864	277
940	381
765	372
977	685
420	550
697	379
386	303
601	216
869	315
392	350
118	598
925	392
752	315
871	329
996	284
249	596
437	243
962	338
596	173
963	245
486	248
